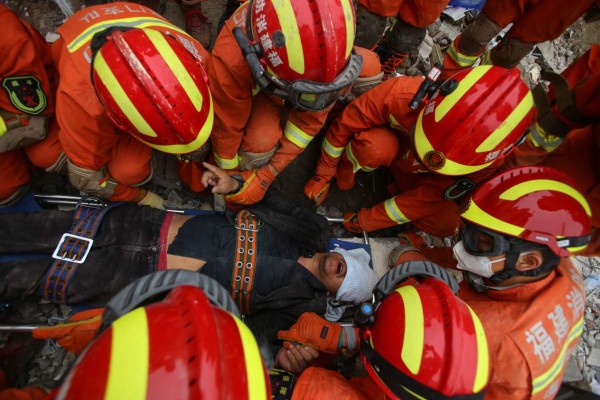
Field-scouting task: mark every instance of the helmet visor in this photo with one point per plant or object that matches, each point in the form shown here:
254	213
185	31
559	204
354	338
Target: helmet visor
316	96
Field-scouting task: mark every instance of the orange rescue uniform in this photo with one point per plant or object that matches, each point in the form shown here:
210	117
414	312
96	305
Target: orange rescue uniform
28	86
89	137
531	331
246	118
374	130
534	21
420	13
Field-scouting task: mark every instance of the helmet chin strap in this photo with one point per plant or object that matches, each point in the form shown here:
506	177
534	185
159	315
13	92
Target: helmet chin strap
509	267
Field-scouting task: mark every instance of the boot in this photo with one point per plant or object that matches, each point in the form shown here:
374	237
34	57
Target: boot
196	23
390	60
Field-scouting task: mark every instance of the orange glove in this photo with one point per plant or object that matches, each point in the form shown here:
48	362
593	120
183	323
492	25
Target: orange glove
317	188
351	222
314	331
255	186
75	334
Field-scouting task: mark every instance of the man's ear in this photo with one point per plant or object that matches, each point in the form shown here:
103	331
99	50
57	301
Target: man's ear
530	260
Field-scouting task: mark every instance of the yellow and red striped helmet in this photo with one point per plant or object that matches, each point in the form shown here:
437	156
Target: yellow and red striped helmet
466	128
536	204
426	342
180	348
153	88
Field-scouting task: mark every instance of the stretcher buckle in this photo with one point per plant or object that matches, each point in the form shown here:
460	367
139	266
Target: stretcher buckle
87	243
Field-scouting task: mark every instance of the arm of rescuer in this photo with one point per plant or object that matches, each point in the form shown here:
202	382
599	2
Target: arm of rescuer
86	133
231	86
384	104
575	107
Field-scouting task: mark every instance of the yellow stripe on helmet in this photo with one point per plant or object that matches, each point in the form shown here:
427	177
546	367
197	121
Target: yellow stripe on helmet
424	146
483	356
257	388
508	125
524	188
118	94
412	345
84	38
293	41
480	217
349	18
463	87
177	68
3	127
129	358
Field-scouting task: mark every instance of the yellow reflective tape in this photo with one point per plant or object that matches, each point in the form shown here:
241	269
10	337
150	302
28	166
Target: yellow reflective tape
293	41
349	19
414	328
297	135
394	122
461	59
483	356
393	212
134	22
352	158
524	188
328	148
542	381
177	68
257	388
3	127
423	146
129	358
464	86
480	217
227	163
120	97
508	125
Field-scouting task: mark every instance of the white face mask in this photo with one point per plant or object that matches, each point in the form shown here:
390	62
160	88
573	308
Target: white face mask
479	265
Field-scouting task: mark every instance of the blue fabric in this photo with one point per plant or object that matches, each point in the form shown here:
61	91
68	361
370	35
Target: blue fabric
349	246
27	203
468	4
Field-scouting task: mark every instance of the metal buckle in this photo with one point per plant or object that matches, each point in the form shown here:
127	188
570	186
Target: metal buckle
64	257
259	224
91	201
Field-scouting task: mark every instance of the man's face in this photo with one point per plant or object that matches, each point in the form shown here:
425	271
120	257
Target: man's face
331	270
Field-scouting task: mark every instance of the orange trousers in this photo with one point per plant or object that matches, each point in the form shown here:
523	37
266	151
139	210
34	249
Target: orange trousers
419	13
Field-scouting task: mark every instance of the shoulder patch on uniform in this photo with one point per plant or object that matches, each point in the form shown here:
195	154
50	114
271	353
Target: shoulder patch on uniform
25	93
461	187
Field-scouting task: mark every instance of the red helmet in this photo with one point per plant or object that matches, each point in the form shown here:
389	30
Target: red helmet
425	341
153	88
180	348
305	49
535	204
474	119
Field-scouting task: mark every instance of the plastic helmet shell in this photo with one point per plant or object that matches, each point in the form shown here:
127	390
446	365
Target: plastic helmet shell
309	39
537	204
154	89
432	337
476	124
180	348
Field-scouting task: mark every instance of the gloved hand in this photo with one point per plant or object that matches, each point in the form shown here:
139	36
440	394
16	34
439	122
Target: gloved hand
312	330
255	186
153	200
75	334
317	188
351	222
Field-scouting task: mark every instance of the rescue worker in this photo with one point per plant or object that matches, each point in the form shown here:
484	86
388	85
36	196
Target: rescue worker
286	270
181	347
274	83
526	31
566	135
408	346
437	152
130	81
28	130
412	17
517	234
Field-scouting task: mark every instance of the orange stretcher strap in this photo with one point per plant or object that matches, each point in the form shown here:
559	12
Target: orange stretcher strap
247	226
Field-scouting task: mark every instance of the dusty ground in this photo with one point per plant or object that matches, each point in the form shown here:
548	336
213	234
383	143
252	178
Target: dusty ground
46	16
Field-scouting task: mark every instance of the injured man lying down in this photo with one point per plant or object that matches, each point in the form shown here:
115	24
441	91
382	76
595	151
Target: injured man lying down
271	257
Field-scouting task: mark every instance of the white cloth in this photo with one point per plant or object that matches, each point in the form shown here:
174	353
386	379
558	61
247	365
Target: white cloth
357	285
